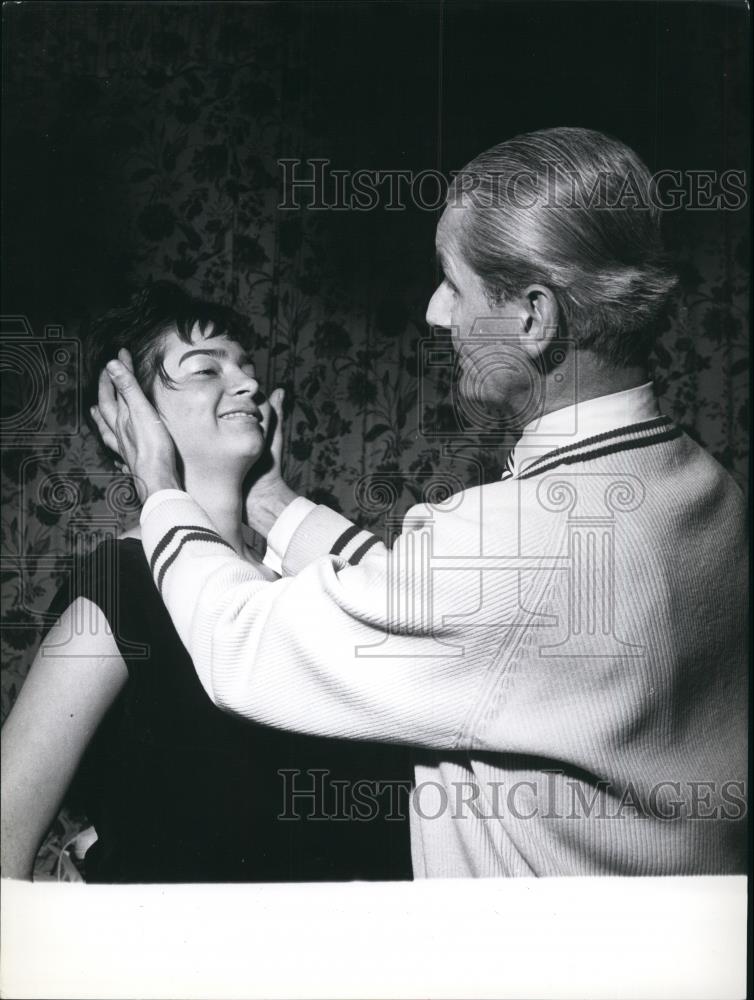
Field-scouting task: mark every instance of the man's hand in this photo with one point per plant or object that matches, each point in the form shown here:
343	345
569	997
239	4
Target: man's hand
267	494
130	426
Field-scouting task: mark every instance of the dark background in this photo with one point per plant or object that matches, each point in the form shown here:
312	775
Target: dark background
142	141
383	86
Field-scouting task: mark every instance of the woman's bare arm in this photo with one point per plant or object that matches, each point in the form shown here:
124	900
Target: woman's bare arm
75	678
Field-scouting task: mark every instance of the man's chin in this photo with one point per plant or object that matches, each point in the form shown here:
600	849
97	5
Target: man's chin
483	413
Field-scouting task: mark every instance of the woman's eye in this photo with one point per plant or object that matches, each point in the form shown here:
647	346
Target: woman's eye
206	371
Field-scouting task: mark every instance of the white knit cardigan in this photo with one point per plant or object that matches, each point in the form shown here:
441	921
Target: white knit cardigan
566	651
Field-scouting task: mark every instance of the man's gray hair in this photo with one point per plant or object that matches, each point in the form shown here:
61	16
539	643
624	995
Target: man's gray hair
571	209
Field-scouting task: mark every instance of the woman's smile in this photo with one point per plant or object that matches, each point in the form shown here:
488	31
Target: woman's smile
251	415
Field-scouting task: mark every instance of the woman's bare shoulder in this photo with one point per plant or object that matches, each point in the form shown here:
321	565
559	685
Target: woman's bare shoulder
132	532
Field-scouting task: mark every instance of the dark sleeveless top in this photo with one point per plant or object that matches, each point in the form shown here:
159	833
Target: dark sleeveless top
179	791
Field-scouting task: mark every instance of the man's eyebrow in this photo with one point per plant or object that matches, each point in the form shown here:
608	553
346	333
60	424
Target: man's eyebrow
443	262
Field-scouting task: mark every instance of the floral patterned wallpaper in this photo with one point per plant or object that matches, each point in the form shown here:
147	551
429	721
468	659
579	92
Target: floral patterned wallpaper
192	189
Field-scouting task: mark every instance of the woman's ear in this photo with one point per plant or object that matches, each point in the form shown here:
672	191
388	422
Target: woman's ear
542	319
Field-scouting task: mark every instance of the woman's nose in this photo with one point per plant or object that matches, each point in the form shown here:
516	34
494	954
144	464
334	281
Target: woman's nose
438	310
244	383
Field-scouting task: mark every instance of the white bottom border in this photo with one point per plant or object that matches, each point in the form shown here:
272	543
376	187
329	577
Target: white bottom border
546	938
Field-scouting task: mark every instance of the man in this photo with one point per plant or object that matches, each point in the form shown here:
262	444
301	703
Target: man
565	649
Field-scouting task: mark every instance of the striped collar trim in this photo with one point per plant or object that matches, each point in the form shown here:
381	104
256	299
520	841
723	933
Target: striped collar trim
638	435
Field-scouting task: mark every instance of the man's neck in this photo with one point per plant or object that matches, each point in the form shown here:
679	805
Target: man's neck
588	378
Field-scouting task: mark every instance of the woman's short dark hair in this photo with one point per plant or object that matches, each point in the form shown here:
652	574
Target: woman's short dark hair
158	309
571	209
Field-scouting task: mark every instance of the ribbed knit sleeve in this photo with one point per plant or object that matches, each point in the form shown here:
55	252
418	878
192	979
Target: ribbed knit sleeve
339	649
325	532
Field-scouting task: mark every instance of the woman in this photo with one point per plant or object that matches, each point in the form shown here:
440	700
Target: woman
177	790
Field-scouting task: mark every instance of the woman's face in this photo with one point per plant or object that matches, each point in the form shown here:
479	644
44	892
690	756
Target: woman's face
213	410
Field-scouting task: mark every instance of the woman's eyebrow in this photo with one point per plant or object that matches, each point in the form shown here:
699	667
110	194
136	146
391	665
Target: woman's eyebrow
214	352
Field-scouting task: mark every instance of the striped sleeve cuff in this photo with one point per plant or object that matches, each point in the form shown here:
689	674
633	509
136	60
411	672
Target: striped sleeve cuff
170	519
325	532
283	530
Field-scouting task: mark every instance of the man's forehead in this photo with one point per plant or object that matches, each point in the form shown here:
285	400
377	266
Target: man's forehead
446	232
442	231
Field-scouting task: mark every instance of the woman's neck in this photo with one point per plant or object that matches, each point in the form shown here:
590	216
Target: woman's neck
220	497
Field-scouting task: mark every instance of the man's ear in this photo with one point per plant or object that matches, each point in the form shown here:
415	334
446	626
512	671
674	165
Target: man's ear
542	319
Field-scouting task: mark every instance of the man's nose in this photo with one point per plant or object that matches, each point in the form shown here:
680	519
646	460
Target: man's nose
438	310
